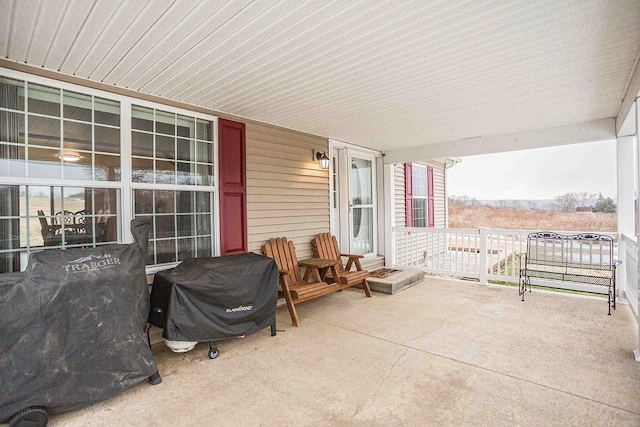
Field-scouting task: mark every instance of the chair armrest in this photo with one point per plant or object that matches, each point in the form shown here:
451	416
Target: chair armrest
352	255
353	260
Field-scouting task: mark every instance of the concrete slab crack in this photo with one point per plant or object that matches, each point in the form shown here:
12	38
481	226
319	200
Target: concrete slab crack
404	353
442	322
374	394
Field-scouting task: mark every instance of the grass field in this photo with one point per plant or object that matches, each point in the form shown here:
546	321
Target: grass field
464	216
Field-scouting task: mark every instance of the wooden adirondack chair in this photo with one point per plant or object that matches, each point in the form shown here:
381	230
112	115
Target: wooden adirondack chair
325	246
293	287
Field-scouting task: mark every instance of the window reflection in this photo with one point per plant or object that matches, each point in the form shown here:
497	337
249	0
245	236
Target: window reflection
179	230
54	217
169	148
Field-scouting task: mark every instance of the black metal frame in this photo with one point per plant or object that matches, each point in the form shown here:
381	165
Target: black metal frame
569	258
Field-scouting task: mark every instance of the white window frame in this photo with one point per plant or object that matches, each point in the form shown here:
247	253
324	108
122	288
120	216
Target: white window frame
125	185
423	168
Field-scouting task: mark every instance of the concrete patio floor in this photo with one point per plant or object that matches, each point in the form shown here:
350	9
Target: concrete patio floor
443	352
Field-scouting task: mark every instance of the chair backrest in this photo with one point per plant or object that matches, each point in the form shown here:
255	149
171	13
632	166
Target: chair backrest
80	217
43	221
325	246
284	253
102	229
63	218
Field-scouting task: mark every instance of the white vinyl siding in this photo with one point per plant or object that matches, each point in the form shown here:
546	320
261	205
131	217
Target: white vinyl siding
427	249
438	190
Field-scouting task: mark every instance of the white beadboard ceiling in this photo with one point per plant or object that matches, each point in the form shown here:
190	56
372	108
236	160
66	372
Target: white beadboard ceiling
382	74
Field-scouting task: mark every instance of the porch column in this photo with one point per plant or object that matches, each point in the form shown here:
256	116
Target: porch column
637	177
625	208
389	216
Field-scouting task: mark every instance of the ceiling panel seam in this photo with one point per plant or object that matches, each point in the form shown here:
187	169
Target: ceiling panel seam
158	74
9	29
118	16
138	18
357	70
33	31
75	39
207	75
176	47
304	53
344	79
158	42
349	59
56	33
264	53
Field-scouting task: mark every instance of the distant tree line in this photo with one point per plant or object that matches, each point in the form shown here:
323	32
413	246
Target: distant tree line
570	202
567	202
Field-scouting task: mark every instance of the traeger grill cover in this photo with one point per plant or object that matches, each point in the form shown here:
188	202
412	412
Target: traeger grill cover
208	299
72	327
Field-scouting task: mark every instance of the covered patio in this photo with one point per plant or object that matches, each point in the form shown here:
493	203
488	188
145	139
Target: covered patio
443	352
207	117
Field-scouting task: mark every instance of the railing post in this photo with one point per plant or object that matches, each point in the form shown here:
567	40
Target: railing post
622	268
483	256
390	258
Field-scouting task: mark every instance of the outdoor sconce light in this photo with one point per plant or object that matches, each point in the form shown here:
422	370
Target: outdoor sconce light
321	156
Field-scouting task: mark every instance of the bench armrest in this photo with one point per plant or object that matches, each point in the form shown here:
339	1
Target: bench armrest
352	255
353	260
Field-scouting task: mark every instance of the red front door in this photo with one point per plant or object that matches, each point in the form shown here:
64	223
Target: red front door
233	187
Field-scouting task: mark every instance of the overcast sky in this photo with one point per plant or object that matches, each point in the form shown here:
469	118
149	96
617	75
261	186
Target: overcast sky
537	174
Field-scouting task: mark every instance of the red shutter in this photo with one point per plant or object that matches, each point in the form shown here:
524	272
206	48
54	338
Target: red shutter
233	187
430	208
408	194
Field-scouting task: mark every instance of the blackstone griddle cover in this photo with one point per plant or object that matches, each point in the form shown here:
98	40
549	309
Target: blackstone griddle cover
208	299
72	327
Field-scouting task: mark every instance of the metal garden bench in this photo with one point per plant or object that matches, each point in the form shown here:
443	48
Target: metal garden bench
576	258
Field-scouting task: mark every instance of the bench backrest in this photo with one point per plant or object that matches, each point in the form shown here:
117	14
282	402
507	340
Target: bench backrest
284	253
575	251
325	246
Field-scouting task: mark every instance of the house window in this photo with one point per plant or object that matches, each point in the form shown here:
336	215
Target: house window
173	154
169	148
67	178
182	223
52	133
419	195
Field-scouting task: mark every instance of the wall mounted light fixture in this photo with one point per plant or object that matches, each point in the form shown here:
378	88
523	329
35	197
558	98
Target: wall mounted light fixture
69	156
321	156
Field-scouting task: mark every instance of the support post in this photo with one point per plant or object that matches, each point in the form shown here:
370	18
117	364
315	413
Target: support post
625	209
637	230
483	256
389	216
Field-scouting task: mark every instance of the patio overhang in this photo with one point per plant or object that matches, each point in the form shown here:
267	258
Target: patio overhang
369	73
596	130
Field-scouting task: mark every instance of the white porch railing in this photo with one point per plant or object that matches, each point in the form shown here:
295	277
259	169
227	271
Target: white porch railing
483	254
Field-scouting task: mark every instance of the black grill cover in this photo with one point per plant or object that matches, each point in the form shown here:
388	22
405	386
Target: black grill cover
207	299
72	327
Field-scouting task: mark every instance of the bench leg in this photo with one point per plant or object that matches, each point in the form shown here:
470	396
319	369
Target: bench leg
292	309
522	286
290	305
367	290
